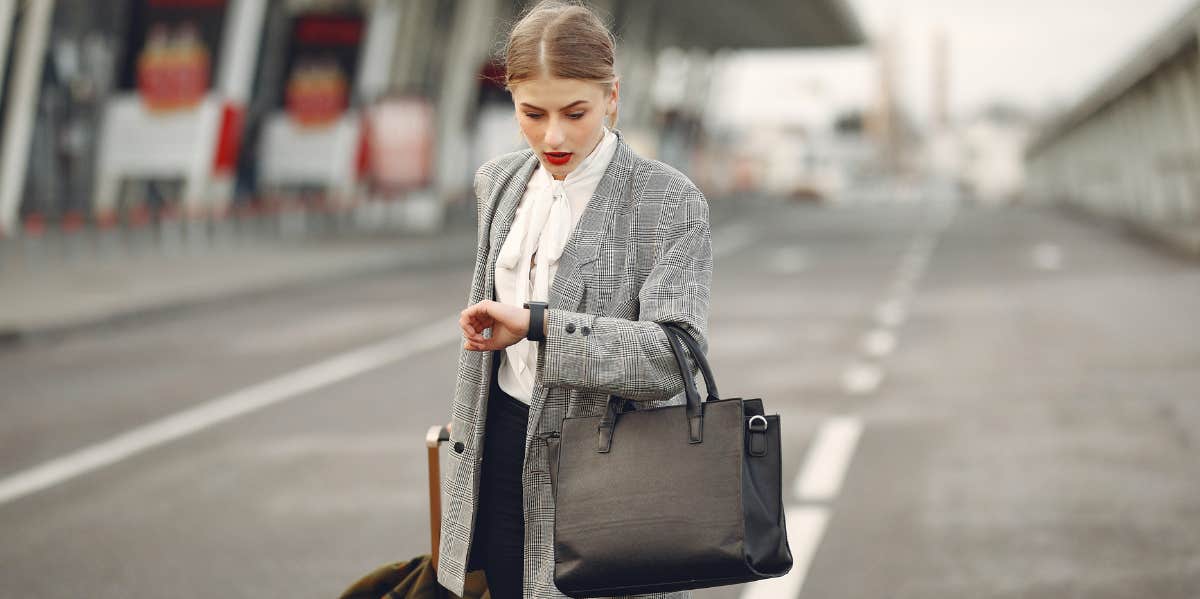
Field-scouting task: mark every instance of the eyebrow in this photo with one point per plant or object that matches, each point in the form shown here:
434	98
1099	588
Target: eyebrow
571	105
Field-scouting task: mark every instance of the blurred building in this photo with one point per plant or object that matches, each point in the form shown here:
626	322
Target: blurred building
1130	150
833	127
129	110
992	147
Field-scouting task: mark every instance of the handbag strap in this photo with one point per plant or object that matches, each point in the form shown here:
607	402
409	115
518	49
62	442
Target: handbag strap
677	338
698	358
695	412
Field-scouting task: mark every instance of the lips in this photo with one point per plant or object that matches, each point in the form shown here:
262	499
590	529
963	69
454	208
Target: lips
558	158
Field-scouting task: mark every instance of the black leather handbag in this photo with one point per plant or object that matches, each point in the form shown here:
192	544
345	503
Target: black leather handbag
671	498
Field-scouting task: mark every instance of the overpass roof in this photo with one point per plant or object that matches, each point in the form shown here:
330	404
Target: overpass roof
1179	37
757	24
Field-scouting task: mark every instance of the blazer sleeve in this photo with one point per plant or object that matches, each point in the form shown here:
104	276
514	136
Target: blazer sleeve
483	195
632	358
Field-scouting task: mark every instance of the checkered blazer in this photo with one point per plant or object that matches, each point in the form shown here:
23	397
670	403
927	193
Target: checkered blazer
640	254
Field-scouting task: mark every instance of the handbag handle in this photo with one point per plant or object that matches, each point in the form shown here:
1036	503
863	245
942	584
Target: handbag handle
677	337
698	358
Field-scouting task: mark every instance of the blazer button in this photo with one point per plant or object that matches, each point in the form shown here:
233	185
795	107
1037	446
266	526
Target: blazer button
458	447
570	327
585	331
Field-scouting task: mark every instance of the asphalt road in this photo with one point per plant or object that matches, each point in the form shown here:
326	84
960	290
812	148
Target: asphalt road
975	403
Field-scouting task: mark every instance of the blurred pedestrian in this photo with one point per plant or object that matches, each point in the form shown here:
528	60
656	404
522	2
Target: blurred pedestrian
583	247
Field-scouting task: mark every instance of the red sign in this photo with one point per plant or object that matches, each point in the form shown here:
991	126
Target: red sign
173	50
322	63
174	68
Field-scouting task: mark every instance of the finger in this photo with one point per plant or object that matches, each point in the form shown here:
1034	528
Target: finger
473	328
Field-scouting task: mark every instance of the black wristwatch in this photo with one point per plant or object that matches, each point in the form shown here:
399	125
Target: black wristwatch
537	319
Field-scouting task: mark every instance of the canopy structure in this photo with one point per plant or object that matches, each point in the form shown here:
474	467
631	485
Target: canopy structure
716	24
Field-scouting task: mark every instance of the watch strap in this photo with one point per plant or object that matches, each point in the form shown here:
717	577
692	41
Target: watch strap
537	320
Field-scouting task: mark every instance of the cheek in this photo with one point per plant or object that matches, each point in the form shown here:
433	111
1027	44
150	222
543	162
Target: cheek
588	127
529	128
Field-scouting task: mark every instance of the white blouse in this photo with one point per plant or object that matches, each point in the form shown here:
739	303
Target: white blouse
528	260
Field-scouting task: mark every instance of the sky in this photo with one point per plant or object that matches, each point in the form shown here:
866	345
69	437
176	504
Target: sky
1037	54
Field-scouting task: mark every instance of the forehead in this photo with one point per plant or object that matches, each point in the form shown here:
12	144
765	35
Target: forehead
552	93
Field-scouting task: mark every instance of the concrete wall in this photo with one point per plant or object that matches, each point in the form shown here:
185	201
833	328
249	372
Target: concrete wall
1132	150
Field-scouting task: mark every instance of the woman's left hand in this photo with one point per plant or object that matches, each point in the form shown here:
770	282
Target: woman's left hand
509	324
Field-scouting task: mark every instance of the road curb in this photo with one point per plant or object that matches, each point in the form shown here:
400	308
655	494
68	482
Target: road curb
14	337
1182	239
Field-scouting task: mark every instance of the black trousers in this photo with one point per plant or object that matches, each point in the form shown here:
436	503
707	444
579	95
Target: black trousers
499	545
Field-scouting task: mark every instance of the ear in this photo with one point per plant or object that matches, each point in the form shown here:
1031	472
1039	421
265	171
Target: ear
614	96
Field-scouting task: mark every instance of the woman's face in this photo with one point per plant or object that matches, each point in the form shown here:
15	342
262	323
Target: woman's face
562	119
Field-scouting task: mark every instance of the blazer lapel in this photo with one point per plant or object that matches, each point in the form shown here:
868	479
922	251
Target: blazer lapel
583	246
579	257
503	218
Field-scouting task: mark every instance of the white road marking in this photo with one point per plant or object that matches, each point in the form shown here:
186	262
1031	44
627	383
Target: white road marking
1047	256
879	343
891	313
228	407
861	378
821	477
805	528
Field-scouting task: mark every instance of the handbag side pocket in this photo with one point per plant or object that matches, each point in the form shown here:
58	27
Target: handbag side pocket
767	550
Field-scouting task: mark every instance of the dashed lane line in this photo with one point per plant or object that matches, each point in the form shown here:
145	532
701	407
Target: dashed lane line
862	378
879	343
891	313
828	459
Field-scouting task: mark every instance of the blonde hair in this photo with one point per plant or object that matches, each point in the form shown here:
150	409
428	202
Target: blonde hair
564	40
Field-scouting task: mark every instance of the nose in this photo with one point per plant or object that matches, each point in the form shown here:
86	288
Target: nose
554	134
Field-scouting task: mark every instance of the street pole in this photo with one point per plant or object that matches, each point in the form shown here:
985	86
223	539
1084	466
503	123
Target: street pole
18	123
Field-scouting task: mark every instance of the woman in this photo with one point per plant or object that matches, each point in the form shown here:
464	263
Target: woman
583	247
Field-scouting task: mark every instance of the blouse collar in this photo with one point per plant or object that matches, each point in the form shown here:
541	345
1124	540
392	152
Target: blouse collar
591	170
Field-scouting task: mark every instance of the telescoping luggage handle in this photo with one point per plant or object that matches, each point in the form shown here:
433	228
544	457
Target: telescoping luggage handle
433	440
695	414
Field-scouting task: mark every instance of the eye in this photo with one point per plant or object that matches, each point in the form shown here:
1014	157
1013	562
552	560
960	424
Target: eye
533	115
576	115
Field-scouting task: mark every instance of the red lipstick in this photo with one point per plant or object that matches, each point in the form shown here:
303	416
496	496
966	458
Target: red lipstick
558	158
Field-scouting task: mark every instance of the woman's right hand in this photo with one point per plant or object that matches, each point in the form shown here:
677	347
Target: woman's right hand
509	324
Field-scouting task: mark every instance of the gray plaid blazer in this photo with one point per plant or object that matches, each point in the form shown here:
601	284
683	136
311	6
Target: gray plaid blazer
634	259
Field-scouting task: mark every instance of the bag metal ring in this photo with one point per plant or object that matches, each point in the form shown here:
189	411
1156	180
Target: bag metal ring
761	418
